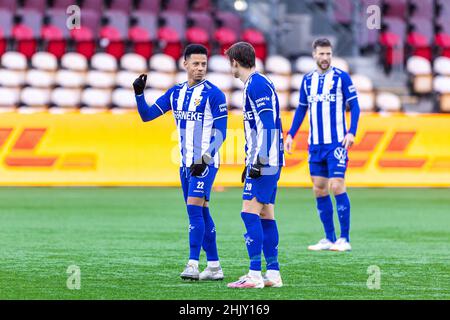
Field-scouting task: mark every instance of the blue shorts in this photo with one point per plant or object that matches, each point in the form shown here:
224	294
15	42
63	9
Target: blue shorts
199	187
328	160
263	188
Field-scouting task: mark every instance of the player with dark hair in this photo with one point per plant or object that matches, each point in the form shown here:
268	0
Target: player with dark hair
200	112
325	93
264	160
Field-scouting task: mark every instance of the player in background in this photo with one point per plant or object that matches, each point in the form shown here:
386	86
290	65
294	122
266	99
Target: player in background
200	113
264	160
325	93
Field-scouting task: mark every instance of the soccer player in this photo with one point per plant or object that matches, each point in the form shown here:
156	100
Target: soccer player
264	159
325	93
200	112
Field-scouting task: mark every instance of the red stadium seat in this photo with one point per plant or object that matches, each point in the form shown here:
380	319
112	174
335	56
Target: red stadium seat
442	41
142	41
198	35
54	39
225	37
3	41
170	42
420	45
114	43
25	40
256	38
84	41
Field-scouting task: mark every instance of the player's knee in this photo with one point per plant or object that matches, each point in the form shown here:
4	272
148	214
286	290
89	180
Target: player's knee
195	201
337	187
320	191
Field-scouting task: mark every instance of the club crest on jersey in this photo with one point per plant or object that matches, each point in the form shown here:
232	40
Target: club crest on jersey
197	101
331	85
340	154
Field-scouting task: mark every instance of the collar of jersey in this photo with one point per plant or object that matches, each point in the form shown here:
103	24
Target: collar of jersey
189	88
322	74
251	75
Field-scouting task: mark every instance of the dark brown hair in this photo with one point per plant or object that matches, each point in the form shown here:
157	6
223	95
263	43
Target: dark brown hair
243	53
321	42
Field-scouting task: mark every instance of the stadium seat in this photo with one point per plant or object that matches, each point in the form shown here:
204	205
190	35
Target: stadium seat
364	88
340	64
9	5
281	82
283	100
161	80
96	98
421	8
259	65
201	5
62	4
25	39
66	97
35	97
44	61
219	63
257	40
104	62
238	84
123	6
150	6
54	40
123	98
395	8
70	78
112	41
11	78
198	35
180	77
342	11
223	81
14	60
163	63
296	81
84	41
421	74
225	37
169	41
366	101
9	98
40	78
133	62
176	21
74	61
230	20
100	79
362	83
125	78
387	101
180	6
201	20
91	19
294	99
305	64
441	65
236	100
141	41
441	84
151	95
278	64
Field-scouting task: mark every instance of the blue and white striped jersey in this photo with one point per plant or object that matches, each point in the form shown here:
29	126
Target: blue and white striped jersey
195	109
326	96
260	96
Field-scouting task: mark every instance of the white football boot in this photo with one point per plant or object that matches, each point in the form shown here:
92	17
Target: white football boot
323	244
190	272
248	281
272	278
341	245
211	273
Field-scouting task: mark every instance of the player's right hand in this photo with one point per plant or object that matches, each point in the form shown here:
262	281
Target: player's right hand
288	144
139	84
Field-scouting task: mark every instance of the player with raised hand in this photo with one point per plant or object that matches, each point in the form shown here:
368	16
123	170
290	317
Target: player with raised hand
325	93
200	112
264	160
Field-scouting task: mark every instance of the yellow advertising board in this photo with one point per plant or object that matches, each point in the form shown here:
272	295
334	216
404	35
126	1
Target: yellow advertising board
109	149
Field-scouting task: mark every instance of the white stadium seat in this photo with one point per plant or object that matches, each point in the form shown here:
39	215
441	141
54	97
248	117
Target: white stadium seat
44	61
163	63
366	101
35	97
294	99
237	83
388	101
223	81
151	95
259	65
14	60
74	61
237	99
180	77
282	83
278	64
160	80
362	83
99	79
40	78
104	62
133	62
442	66
9	97
96	98
70	78
305	64
66	97
283	100
124	98
11	78
418	66
125	79
219	63
296	81
340	64
441	84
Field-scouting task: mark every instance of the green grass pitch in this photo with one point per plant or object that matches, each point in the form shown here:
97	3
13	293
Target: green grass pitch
132	243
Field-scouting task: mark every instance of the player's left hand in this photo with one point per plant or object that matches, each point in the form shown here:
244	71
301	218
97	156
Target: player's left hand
198	167
256	168
348	141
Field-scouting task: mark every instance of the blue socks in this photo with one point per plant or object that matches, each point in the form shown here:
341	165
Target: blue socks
196	231
270	243
343	211
253	239
325	210
209	239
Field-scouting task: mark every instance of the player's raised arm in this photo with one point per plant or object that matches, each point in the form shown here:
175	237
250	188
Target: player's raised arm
299	116
351	97
148	113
